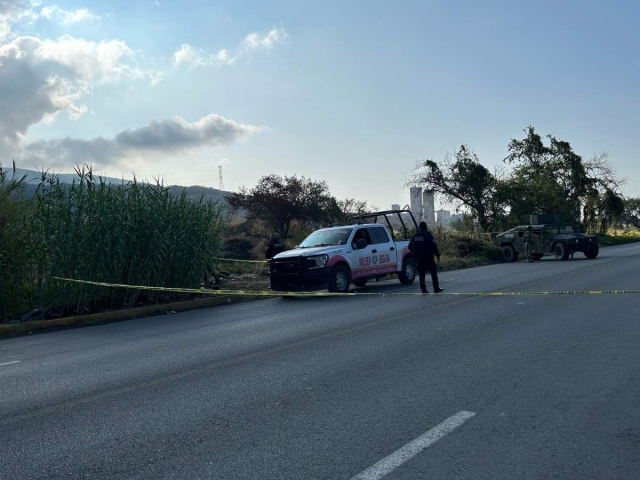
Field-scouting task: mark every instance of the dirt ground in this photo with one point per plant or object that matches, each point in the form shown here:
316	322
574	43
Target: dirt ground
245	282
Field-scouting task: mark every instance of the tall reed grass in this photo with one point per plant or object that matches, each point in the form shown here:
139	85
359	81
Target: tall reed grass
131	233
17	289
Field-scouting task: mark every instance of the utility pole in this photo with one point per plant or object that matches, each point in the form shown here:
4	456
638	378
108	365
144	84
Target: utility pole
220	182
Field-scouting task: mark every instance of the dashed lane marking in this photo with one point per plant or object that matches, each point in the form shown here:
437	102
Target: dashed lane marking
411	449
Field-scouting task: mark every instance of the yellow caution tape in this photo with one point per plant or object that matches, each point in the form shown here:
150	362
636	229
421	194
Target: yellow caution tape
270	293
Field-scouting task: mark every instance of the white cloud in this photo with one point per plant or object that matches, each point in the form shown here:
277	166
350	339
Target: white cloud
254	41
189	55
12	11
105	61
67	17
42	78
39	79
167	136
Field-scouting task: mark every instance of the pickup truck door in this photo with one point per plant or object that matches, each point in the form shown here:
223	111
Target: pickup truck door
384	252
362	258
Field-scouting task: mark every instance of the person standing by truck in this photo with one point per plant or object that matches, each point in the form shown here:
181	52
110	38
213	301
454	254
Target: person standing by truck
528	243
424	247
274	247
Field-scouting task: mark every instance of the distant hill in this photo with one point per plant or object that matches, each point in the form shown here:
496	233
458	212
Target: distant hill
33	178
195	191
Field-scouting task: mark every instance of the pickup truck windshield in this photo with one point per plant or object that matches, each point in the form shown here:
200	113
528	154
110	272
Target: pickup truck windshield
324	238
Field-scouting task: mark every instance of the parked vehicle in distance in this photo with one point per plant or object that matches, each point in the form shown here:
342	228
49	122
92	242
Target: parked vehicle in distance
335	257
559	239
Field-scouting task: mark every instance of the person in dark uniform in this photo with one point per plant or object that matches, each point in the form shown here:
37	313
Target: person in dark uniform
528	243
423	247
273	248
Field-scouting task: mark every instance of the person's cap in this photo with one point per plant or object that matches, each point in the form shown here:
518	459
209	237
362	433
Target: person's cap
423	225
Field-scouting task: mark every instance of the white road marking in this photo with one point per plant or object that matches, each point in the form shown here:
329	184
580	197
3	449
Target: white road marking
9	363
411	449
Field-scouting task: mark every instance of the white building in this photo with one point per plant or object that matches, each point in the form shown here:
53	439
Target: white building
428	205
415	203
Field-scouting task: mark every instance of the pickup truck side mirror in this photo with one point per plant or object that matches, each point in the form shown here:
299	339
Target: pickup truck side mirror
361	244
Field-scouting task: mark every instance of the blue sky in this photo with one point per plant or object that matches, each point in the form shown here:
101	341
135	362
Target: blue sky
353	93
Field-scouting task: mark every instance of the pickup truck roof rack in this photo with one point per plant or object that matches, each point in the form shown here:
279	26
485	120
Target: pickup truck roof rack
361	220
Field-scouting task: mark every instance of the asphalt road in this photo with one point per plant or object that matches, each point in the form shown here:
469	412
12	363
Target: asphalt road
324	388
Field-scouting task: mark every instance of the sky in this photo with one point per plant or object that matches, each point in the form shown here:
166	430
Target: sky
353	93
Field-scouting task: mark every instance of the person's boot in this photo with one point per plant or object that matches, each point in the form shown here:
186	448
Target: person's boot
438	290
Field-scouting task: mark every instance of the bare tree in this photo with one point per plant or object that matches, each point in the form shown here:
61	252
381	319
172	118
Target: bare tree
603	173
351	206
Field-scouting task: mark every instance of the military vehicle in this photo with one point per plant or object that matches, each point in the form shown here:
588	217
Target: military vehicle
557	238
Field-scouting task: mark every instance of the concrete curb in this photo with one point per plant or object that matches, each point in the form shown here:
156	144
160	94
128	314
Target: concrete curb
115	315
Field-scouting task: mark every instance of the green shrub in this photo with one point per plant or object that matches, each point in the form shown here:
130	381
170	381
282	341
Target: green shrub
462	246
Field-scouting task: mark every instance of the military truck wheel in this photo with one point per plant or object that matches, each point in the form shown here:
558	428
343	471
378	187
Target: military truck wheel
360	283
340	280
537	256
561	251
592	252
509	253
408	273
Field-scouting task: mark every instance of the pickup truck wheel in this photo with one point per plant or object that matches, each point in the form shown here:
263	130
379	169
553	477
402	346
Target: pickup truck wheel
408	273
360	283
592	252
340	280
561	251
509	253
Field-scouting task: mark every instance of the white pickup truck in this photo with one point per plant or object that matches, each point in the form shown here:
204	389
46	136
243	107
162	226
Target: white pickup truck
336	257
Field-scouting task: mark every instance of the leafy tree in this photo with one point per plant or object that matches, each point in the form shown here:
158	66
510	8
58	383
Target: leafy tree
601	212
631	213
590	211
551	178
612	209
462	180
533	191
547	178
280	201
